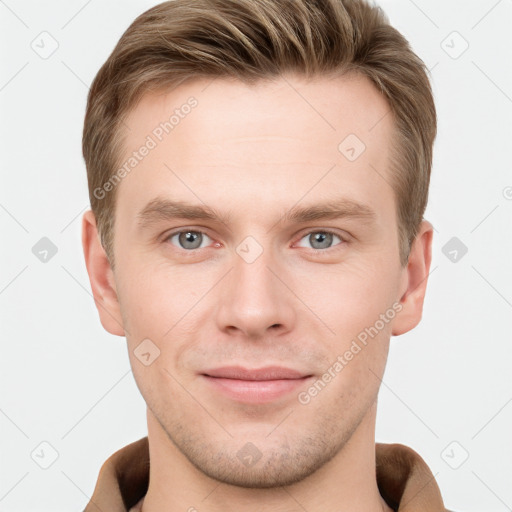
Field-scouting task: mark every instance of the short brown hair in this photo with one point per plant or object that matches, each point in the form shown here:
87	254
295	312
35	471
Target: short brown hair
253	40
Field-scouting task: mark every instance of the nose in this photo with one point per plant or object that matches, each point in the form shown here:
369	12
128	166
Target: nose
255	303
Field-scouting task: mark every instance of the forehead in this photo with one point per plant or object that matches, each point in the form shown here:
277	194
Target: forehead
282	136
288	105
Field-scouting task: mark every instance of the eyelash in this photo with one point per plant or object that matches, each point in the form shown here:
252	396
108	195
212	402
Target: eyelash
344	240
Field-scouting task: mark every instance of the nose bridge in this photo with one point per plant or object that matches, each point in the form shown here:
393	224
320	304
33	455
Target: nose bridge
253	281
254	299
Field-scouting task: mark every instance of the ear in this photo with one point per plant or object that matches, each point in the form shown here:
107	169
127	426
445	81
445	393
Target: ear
101	277
414	281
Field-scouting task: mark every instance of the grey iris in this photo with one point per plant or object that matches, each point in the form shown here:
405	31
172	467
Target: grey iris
317	239
190	239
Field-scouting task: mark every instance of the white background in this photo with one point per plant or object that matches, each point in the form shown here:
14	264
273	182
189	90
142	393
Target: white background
64	380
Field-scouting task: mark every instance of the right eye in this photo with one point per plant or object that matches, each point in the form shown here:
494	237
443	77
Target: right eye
187	240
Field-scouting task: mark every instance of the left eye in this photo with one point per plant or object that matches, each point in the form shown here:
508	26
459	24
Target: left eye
190	239
321	239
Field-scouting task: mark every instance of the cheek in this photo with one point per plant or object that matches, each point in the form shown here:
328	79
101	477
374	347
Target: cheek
153	298
353	297
162	319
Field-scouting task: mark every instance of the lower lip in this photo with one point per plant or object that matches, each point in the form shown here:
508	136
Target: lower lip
255	391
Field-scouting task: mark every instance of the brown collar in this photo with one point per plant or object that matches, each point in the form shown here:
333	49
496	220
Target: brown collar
403	477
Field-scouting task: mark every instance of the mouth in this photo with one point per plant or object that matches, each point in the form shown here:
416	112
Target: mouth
255	386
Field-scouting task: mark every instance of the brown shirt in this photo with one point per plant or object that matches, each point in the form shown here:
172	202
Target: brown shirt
403	477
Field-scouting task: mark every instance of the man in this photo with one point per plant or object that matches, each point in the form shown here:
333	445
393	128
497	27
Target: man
258	172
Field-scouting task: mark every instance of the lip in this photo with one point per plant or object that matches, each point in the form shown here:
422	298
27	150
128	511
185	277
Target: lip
267	373
255	386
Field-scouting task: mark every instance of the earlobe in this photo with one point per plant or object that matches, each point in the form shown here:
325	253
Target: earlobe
415	276
101	277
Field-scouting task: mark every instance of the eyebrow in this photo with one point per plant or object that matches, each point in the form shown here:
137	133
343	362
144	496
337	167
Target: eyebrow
162	209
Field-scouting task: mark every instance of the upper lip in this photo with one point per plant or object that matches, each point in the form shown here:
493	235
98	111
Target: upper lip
266	373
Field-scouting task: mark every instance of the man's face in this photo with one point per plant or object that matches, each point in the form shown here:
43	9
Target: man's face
260	287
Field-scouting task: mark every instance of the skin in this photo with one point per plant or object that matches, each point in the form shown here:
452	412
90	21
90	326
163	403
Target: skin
255	152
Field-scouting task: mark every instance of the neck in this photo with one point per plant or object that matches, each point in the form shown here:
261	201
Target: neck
346	483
